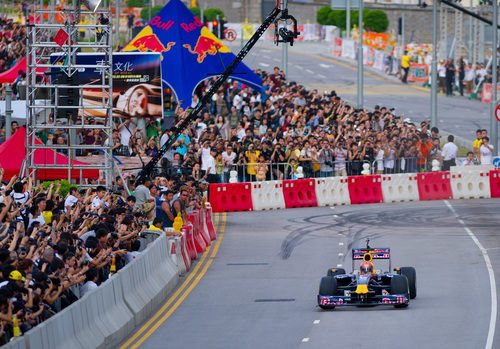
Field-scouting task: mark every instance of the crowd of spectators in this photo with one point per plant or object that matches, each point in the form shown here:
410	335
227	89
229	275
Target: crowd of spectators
286	132
54	248
12	49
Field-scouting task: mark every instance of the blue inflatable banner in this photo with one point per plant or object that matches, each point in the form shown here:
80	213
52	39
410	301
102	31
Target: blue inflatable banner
190	52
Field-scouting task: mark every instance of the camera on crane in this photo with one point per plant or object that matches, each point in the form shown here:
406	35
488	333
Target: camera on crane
283	34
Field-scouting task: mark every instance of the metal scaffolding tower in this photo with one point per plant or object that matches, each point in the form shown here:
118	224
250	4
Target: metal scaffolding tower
56	100
443	31
460	47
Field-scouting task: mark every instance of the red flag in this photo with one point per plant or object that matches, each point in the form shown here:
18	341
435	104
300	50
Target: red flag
61	37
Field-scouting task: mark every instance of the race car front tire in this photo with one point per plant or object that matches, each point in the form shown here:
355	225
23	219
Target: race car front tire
338	271
399	285
411	275
327	287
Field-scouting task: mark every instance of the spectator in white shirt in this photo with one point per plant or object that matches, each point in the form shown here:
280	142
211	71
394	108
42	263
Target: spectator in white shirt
72	198
91	277
99	198
449	153
486	151
238	101
211	174
470	75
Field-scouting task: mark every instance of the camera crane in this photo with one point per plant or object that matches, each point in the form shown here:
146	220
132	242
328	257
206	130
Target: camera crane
282	34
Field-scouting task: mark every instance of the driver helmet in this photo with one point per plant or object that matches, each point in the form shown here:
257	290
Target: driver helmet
366	268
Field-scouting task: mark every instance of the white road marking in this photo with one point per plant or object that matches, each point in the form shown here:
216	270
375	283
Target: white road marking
264	64
335	216
489	266
266	57
276	60
309	71
321	76
324	65
341	244
305	340
299	67
339	265
316	322
341	254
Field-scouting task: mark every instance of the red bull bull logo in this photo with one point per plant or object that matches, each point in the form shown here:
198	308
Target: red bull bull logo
147	41
207	44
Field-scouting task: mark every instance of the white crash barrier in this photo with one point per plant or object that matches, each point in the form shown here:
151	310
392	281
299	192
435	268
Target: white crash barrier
332	191
400	187
268	195
470	185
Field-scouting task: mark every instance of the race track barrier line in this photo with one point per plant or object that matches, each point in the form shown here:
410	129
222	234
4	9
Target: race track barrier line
495	183
365	189
187	231
299	193
231	197
400	187
199	214
199	243
268	195
469	185
332	191
434	186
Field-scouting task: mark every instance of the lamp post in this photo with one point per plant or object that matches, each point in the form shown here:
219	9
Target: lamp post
494	80
360	56
434	66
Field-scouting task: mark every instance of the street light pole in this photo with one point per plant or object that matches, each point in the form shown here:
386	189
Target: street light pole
494	63
284	58
348	19
433	74
360	56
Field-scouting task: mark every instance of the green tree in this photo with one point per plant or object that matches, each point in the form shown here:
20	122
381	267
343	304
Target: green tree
376	21
135	3
154	11
323	14
211	13
196	11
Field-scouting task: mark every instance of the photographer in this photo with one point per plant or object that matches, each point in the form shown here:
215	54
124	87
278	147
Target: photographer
326	156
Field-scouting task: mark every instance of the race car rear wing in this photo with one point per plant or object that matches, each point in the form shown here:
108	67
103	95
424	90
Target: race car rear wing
377	253
358	254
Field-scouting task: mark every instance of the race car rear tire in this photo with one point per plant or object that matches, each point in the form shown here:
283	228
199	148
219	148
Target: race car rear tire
338	271
328	286
411	275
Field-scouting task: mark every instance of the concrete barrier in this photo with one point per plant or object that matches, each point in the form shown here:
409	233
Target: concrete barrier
106	316
18	343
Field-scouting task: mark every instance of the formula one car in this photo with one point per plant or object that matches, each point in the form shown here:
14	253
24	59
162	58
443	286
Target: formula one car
367	286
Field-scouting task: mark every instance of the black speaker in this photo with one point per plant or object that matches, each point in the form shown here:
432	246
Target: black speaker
68	96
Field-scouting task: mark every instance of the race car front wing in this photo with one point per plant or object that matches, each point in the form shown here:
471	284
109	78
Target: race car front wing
375	300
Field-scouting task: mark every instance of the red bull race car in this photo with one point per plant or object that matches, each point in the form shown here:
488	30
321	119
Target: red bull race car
367	286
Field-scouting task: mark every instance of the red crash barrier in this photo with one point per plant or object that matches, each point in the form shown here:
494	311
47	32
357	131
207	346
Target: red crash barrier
434	186
209	223
300	193
365	189
188	231
200	220
231	197
495	183
199	243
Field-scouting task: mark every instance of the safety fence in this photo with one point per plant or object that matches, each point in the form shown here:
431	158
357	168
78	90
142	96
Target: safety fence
468	182
107	315
253	172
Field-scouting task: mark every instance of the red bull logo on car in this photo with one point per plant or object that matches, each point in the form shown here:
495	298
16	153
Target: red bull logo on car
207	44
146	41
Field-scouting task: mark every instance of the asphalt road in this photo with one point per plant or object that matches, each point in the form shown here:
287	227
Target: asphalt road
312	65
260	291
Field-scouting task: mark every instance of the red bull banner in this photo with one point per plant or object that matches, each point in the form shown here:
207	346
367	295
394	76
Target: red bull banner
190	53
418	72
487	93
